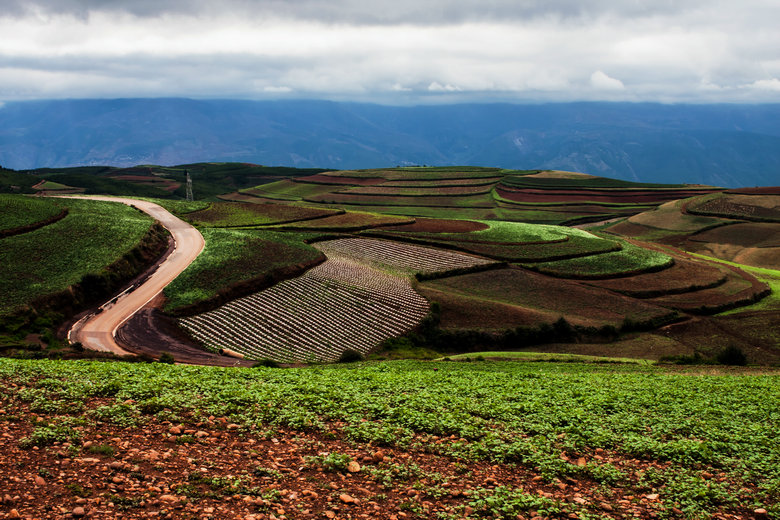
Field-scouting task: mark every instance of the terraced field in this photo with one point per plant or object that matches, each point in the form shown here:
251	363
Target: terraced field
356	299
237	214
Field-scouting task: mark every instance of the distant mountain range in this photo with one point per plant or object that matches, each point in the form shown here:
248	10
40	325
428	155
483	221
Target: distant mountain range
725	145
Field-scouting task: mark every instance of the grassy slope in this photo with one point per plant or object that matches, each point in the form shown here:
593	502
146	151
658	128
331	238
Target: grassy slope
702	443
17	210
92	236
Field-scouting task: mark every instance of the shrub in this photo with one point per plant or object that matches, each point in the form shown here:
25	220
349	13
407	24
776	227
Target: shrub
266	362
350	356
166	357
732	355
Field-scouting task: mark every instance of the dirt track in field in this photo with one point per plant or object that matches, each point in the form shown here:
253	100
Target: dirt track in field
97	331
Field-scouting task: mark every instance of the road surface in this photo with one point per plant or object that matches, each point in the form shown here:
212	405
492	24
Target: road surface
97	331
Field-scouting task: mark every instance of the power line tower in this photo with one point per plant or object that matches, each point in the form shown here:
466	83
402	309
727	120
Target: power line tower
190	198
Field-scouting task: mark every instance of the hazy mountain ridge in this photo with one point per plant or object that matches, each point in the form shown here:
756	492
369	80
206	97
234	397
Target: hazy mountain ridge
728	145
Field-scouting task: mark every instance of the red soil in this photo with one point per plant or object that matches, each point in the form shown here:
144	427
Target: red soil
767	190
434	225
349	181
613	196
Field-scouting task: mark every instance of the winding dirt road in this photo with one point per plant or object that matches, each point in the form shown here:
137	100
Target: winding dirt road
98	331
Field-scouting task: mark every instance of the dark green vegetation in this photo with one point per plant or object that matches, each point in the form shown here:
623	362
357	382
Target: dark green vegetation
54	257
21	214
700	443
210	179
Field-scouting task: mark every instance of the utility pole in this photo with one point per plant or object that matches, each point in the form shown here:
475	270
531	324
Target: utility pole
190	198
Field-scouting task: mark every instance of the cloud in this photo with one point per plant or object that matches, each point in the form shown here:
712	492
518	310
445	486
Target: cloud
438	87
772	85
401	51
277	90
599	80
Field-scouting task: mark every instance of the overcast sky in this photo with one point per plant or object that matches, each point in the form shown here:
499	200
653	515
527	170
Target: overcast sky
396	51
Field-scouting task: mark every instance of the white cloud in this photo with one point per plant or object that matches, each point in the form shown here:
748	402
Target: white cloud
438	87
772	85
691	50
599	80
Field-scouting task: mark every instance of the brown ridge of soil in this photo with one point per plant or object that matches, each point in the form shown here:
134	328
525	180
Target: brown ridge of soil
539	195
766	190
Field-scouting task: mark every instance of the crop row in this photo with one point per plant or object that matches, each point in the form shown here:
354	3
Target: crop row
338	305
397	256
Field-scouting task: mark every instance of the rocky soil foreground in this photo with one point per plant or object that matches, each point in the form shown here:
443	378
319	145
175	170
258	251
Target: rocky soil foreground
218	470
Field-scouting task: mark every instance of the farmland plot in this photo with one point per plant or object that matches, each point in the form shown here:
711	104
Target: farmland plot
345	303
338	305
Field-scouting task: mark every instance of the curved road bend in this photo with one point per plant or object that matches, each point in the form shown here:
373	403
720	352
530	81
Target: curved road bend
97	331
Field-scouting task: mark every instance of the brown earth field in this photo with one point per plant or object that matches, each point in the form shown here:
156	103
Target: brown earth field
191	470
774	190
756	333
339	181
433	225
614	196
243	214
740	288
421	191
445	182
682	277
470	201
581	304
351	221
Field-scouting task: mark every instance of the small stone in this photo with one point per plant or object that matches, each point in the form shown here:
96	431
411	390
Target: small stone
201	434
580	500
581	462
174	430
233	426
652	496
7	499
347	499
760	513
330	514
39	481
78	512
13	514
353	466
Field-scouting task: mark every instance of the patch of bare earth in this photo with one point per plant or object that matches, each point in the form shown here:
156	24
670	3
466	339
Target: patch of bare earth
213	469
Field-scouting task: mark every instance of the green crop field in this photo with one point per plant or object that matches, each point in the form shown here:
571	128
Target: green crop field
234	256
631	259
239	214
17	211
698	444
92	236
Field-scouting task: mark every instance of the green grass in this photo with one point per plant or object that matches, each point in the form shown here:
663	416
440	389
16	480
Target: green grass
590	182
17	210
92	236
659	430
233	256
630	259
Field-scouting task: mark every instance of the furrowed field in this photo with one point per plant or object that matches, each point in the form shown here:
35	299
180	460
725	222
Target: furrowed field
433	439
